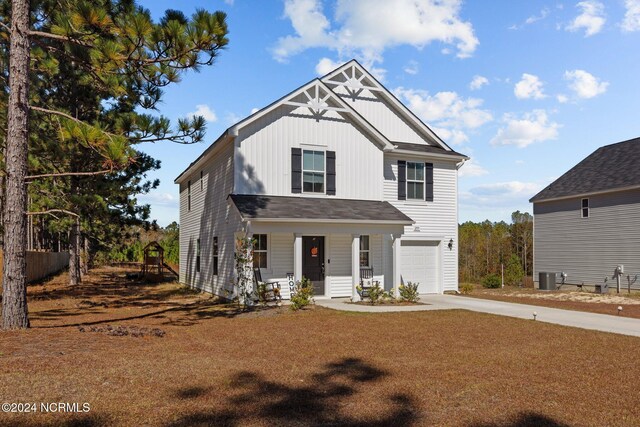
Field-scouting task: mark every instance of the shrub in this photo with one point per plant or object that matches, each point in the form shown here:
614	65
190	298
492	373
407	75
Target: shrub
491	281
409	292
303	295
376	293
466	288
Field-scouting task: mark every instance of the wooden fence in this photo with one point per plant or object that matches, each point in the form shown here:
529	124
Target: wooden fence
42	264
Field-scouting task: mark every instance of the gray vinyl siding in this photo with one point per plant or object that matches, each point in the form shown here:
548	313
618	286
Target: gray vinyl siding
588	249
210	216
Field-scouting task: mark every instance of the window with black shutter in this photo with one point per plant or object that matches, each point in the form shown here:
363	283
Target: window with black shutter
331	173
402	180
296	170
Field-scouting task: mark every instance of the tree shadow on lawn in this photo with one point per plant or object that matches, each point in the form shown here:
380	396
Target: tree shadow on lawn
525	419
319	400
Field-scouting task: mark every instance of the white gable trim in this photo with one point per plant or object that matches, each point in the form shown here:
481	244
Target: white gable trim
355	83
317	104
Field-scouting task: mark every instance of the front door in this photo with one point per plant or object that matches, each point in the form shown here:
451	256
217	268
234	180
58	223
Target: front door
313	261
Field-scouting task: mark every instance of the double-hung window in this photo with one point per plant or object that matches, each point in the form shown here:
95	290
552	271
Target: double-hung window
313	171
415	180
259	251
188	195
585	208
364	251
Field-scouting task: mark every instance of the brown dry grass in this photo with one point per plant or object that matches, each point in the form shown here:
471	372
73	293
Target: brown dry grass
529	296
216	366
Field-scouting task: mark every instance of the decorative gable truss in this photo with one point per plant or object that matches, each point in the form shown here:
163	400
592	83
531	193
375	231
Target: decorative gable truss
352	80
318	101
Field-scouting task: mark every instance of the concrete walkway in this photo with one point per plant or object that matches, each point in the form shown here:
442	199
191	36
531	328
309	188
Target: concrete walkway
577	319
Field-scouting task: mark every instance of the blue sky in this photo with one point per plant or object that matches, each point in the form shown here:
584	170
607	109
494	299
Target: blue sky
526	88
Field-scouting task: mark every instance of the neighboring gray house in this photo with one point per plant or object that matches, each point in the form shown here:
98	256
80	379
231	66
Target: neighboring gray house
335	175
587	222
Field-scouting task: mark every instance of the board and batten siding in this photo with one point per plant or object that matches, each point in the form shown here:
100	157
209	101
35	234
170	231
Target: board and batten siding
435	220
263	154
210	216
588	249
381	115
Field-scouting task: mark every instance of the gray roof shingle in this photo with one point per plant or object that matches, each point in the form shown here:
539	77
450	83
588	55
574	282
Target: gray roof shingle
610	167
308	208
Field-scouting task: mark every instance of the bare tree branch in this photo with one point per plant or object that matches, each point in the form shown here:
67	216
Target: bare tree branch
59	37
54	211
61	174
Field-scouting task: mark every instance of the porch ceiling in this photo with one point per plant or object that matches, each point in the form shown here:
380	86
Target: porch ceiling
283	208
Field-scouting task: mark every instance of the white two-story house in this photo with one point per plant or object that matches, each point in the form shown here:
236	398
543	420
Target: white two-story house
335	175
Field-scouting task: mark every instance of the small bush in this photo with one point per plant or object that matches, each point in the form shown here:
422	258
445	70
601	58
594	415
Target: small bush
466	288
303	295
376	293
409	292
491	281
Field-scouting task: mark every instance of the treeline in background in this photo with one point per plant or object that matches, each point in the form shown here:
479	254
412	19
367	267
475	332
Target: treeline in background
131	249
485	246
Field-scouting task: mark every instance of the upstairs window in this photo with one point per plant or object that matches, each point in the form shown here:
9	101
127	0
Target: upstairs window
415	180
201	181
259	251
188	195
585	208
364	251
313	171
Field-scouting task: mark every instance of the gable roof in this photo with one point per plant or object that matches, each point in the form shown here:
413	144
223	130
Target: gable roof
609	168
292	209
398	107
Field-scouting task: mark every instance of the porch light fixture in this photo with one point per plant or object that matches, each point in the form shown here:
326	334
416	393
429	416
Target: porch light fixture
450	245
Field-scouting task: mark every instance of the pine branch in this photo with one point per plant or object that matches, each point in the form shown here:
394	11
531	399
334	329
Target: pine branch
59	37
56	175
54	211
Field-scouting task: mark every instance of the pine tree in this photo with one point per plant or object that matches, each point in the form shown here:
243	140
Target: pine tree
115	48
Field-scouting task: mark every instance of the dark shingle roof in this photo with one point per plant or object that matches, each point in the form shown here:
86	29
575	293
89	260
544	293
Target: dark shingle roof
423	148
608	168
312	208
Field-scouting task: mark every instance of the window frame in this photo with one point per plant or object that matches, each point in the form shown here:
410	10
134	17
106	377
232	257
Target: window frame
367	250
215	255
314	171
415	181
189	196
585	209
201	180
264	251
198	253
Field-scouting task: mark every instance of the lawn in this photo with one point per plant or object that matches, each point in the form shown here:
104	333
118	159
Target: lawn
200	362
566	299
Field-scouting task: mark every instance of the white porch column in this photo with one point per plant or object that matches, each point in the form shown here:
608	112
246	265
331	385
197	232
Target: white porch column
397	249
355	265
297	257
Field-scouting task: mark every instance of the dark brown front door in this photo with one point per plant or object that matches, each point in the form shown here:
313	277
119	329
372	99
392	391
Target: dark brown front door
313	261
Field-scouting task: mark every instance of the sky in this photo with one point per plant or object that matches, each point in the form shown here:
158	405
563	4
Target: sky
527	89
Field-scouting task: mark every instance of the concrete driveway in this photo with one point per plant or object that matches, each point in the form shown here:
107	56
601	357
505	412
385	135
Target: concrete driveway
577	319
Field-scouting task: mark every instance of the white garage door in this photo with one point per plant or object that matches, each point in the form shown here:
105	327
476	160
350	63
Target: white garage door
420	264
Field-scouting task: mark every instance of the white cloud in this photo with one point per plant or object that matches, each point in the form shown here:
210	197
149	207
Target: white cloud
478	82
448	113
232	118
532	19
591	19
631	20
365	28
205	111
500	194
229	2
325	66
528	87
411	68
562	99
471	168
523	131
159	199
254	110
584	84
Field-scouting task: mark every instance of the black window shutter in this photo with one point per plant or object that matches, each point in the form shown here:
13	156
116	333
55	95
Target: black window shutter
296	170
331	173
402	180
428	182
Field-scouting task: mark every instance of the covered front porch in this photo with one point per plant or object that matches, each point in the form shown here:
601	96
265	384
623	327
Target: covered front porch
329	244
